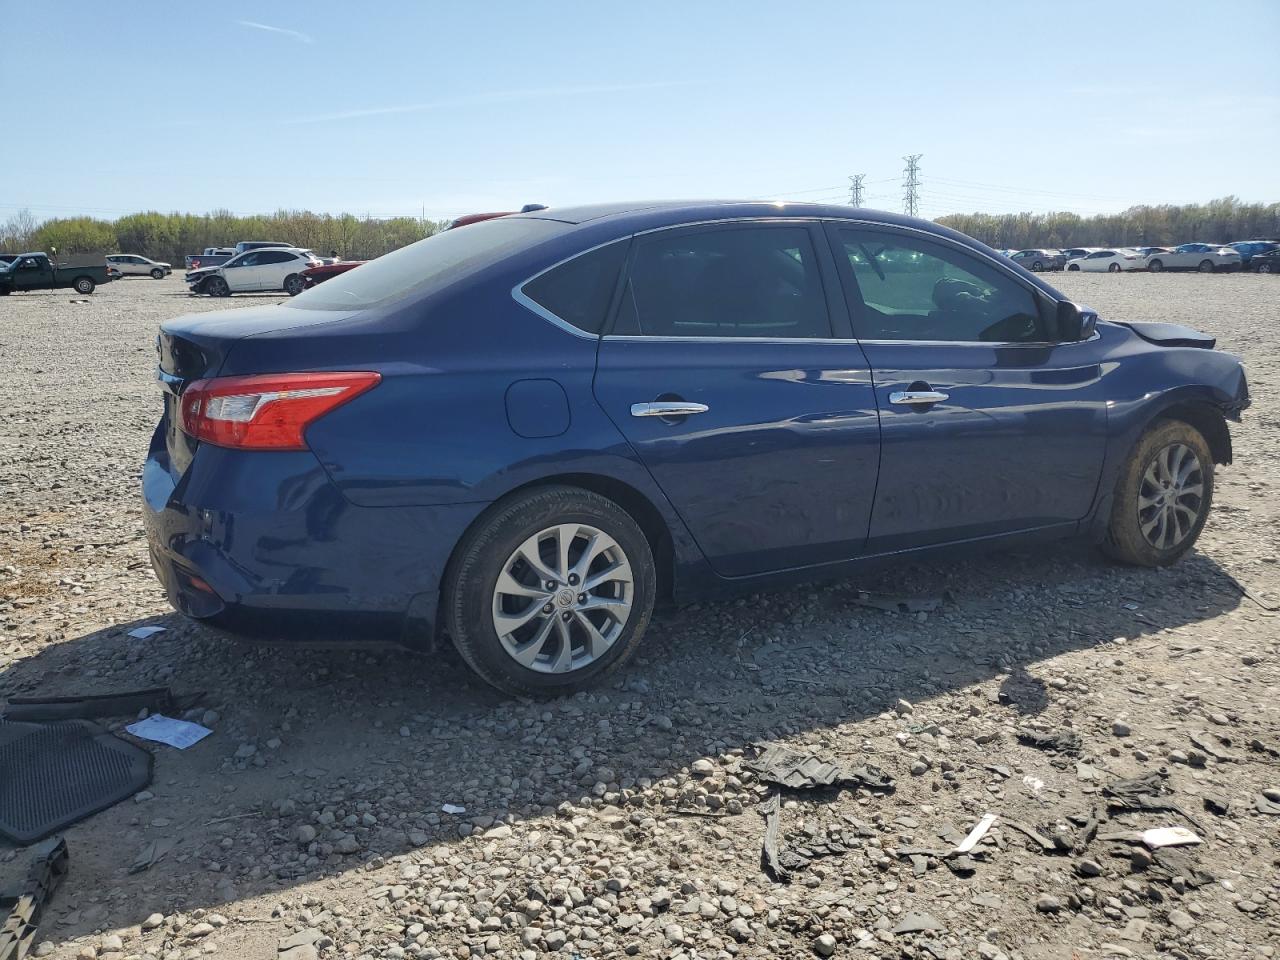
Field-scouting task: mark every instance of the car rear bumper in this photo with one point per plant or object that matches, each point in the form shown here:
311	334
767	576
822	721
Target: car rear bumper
264	542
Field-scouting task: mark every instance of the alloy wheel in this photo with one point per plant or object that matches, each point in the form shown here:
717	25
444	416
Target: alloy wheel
1171	496
563	598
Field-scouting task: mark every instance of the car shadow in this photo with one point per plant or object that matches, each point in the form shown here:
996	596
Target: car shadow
341	733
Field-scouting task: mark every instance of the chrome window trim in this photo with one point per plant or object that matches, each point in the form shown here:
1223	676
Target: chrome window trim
630	337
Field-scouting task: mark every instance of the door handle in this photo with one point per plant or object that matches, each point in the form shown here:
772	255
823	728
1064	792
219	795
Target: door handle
911	397
667	408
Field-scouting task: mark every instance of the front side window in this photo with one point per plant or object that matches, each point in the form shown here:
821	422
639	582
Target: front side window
579	290
913	289
750	282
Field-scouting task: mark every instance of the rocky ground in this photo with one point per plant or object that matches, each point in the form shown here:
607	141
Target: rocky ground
626	822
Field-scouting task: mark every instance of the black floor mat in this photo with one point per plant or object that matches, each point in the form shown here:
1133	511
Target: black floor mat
54	774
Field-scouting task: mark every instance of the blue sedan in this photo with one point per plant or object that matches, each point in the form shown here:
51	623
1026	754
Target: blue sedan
522	433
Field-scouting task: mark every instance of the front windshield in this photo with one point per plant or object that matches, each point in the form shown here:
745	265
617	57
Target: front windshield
427	264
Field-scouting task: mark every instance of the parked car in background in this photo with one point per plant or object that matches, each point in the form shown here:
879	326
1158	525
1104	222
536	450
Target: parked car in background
1268	262
1151	251
132	265
316	275
1248	249
1109	261
268	268
1078	253
473	438
210	257
1038	260
244	246
35	271
1205	257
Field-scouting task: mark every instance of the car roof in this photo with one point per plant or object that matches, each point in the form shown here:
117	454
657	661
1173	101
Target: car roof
688	211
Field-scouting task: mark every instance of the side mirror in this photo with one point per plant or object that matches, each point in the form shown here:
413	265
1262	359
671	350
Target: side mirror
1075	323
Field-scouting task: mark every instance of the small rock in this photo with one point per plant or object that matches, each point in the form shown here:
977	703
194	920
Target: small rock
245	751
153	921
903	707
1048	903
740	930
142	796
1121	729
1182	920
306	833
200	930
825	945
1089	868
111	943
347	844
703	767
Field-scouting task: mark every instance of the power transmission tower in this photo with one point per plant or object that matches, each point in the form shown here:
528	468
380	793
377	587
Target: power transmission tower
855	189
911	184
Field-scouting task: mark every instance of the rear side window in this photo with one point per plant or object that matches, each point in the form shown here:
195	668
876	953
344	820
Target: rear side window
752	282
579	290
275	256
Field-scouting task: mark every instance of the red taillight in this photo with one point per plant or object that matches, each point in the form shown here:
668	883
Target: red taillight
267	411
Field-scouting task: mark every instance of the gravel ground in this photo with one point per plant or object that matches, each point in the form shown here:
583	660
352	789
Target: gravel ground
625	822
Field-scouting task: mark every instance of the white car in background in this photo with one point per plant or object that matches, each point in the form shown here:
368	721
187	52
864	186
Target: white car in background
1109	261
267	268
1205	257
132	265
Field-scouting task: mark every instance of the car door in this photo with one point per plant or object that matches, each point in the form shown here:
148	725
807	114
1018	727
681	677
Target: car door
753	414
274	266
989	425
241	272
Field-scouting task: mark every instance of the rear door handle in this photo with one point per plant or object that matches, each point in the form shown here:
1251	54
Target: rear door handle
911	397
667	408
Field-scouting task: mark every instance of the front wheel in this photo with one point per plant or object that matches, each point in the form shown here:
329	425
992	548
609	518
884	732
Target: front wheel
1113	268
1075	267
157	274
1155	266
550	592
1206	266
294	284
1037	266
1162	497
217	287
84	285
1262	268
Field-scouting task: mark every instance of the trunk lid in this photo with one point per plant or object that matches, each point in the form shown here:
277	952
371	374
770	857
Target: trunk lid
197	346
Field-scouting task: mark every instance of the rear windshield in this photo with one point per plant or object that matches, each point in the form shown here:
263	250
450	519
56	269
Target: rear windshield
426	265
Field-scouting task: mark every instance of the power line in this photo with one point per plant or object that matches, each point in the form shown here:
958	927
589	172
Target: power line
911	184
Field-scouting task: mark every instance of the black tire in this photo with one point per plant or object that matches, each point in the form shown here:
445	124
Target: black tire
1155	266
216	287
157	274
1037	266
1262	268
482	556
294	284
1113	268
1075	267
84	285
1125	539
1206	266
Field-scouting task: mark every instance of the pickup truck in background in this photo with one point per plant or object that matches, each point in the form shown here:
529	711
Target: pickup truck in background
34	271
212	257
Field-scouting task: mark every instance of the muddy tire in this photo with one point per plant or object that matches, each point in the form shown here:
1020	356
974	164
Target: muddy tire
1162	497
550	592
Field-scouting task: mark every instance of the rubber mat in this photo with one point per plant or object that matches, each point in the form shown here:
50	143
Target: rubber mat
55	774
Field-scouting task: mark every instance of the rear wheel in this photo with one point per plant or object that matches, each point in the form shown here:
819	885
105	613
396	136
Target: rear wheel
1155	266
1162	497
1037	266
1262	268
157	274
84	285
1113	268
217	287
550	592
294	284
1206	266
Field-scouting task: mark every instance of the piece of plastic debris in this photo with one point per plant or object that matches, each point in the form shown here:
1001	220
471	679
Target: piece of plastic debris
804	771
175	733
141	633
20	910
1065	741
125	702
1035	783
152	852
976	834
453	808
771	811
1168	837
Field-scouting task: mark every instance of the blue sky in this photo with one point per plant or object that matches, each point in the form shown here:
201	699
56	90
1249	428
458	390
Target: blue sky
399	108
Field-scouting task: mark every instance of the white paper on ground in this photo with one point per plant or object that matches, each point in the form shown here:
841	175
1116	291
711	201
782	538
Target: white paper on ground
141	633
453	808
162	729
1168	837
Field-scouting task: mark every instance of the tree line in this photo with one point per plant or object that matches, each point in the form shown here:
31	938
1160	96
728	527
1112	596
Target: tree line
1218	221
171	236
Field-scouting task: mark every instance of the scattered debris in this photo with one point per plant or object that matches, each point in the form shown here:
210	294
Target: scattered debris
152	852
1169	837
1047	845
895	604
1211	744
1268	802
175	733
976	834
20	911
88	707
453	808
771	810
1066	741
803	771
916	922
